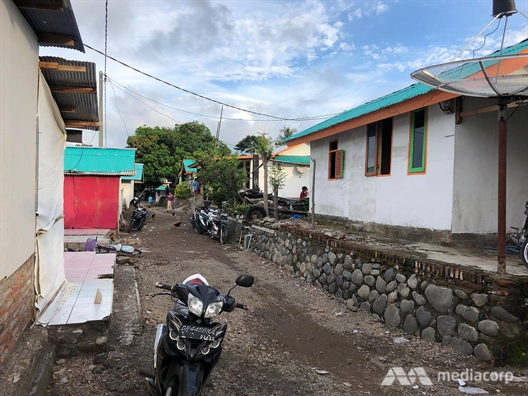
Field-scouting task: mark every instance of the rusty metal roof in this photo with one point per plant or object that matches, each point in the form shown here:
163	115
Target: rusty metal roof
85	104
62	22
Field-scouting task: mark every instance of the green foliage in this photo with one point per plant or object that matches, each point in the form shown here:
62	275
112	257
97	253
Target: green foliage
248	145
285	133
234	208
162	149
221	175
182	191
276	178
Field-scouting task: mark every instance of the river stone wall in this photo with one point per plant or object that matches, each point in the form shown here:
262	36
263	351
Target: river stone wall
466	309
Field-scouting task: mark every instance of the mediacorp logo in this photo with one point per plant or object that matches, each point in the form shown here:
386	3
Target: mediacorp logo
413	376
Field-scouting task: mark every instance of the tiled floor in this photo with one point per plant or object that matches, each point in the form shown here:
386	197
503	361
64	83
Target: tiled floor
75	302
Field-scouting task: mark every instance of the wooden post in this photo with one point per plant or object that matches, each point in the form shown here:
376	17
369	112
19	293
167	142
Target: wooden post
501	232
313	191
101	127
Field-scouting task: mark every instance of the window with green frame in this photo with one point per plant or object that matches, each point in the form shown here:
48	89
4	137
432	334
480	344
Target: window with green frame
418	141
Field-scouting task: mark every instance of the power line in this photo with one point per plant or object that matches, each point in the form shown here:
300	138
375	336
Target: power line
207	98
157	111
117	107
130	92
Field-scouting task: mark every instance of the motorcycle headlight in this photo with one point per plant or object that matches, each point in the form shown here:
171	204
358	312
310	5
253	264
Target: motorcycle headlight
195	305
213	309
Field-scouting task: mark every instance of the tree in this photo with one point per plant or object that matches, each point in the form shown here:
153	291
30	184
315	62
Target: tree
276	181
248	145
221	175
265	149
285	133
162	149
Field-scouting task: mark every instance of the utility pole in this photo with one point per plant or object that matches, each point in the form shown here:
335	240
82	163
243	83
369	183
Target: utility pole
313	191
101	127
218	128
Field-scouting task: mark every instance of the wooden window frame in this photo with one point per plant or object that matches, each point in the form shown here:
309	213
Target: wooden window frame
422	169
338	162
375	170
378	131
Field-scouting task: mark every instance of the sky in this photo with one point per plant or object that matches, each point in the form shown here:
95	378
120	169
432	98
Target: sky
297	61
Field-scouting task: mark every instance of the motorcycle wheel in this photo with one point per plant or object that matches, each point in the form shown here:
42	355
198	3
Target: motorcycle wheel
223	234
256	212
524	253
130	226
140	226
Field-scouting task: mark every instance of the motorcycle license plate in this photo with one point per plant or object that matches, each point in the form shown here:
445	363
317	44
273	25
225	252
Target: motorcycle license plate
197	333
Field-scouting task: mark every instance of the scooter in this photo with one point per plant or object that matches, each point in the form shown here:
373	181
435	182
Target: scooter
200	219
218	226
188	347
520	237
139	215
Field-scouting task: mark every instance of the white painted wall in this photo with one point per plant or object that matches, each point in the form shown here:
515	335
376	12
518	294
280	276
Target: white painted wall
18	137
418	200
476	168
127	186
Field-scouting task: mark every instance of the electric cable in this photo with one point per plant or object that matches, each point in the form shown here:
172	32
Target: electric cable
130	92
205	97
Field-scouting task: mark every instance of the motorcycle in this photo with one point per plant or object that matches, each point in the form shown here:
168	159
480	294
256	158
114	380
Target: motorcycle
188	347
520	237
218	226
200	219
139	215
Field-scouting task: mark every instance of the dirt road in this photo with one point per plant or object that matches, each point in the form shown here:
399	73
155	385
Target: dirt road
294	340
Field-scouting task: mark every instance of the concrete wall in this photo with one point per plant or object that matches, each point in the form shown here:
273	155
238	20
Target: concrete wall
476	166
18	137
399	199
127	188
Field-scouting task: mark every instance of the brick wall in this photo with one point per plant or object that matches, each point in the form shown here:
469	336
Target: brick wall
16	305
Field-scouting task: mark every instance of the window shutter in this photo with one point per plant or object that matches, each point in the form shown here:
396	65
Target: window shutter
340	157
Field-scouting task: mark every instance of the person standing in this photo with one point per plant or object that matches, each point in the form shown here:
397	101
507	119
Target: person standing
170	202
196	187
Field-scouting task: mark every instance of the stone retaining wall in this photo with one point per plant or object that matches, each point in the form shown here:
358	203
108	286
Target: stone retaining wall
467	309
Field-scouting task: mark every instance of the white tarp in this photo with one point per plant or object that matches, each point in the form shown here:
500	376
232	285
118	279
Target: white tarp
49	268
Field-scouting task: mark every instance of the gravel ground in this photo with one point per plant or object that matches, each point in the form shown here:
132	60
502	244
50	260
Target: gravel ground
291	331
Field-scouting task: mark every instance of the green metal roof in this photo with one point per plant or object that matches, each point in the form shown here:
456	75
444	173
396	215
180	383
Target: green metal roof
402	95
187	163
161	188
99	161
138	176
293	159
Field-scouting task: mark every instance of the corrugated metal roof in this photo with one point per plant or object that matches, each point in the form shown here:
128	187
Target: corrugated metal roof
55	22
85	104
187	163
138	176
99	161
293	159
399	96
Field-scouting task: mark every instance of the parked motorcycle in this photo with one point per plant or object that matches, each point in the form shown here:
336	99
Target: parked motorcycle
520	237
188	347
200	219
139	215
218	226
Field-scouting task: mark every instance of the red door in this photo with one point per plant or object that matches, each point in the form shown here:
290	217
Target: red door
91	201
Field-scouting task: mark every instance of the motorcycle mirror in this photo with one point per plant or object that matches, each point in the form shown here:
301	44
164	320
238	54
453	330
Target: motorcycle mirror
245	280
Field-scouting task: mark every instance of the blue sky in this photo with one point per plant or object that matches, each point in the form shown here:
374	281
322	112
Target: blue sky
289	59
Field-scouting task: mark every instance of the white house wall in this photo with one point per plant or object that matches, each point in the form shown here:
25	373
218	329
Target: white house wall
400	199
49	273
18	136
296	178
476	169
